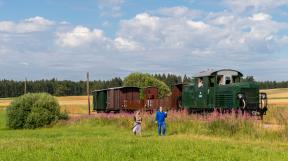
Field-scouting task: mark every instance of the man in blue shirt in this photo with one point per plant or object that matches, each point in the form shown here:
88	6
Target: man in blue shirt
160	120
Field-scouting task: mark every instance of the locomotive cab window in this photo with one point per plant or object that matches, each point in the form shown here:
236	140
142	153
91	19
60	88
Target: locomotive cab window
200	82
236	79
220	80
211	81
228	80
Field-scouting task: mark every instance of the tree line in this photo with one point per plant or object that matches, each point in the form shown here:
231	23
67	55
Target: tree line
267	84
12	88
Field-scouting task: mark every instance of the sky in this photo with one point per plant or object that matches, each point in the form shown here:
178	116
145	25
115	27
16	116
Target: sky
112	38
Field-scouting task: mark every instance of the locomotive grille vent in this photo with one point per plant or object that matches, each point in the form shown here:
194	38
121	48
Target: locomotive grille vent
252	97
224	99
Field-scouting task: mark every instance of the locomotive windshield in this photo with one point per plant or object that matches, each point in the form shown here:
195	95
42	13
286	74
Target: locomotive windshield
220	77
227	78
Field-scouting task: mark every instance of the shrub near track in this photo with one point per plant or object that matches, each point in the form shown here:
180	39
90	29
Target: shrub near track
33	110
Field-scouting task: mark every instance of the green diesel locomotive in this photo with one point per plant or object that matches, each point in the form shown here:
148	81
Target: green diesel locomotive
223	90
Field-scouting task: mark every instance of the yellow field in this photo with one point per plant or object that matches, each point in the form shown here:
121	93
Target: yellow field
4	102
75	104
277	96
71	104
277	93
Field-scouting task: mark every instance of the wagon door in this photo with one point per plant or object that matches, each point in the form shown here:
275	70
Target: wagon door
117	96
110	99
101	100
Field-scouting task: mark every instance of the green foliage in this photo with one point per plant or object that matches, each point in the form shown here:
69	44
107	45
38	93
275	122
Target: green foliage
64	116
170	79
33	111
145	80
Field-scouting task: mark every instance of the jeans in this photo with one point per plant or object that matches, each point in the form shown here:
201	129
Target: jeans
161	128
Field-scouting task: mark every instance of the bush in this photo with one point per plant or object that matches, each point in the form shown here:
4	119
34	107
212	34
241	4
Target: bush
33	110
146	80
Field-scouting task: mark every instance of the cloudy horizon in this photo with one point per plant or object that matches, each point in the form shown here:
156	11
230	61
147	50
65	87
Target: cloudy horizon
112	38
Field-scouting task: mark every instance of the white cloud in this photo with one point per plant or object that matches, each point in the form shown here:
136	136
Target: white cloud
175	11
84	37
150	42
79	36
155	32
255	5
126	45
33	24
24	63
198	25
215	35
179	11
110	8
144	19
260	17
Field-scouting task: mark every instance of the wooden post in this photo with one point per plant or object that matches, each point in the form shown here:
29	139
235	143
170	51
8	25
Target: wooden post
88	93
25	86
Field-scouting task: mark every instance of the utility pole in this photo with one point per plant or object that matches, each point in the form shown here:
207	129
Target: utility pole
25	86
88	93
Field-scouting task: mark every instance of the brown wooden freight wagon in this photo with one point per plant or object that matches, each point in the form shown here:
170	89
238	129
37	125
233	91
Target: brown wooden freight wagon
172	102
123	98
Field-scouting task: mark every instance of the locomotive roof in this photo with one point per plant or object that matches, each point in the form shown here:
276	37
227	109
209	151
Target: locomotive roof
214	72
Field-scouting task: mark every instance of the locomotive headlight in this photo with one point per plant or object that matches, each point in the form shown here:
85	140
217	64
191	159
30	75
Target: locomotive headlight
240	95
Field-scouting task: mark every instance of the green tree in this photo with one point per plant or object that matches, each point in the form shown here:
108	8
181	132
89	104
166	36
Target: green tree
146	80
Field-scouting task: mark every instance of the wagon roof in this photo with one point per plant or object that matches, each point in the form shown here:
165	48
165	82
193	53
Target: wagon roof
115	88
98	90
150	87
213	72
123	87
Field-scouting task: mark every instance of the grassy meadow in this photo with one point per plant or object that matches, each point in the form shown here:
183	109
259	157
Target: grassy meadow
189	137
108	137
